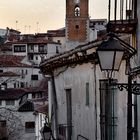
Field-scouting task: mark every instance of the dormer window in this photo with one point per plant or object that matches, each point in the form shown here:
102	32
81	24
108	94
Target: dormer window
77	11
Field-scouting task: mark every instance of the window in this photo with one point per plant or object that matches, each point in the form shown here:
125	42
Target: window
108	111
30	127
0	103
20	48
31	57
4	85
87	94
22	73
26	71
58	41
2	123
77	26
77	11
3	130
57	51
14	85
37	95
10	102
41	48
34	77
32	47
22	85
36	57
26	84
69	111
1	71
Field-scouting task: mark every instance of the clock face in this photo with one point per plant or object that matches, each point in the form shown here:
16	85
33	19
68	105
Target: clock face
77	1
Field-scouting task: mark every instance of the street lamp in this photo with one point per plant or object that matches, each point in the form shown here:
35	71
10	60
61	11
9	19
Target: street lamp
110	54
46	132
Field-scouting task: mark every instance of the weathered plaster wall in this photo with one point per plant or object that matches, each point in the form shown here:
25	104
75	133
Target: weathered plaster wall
86	119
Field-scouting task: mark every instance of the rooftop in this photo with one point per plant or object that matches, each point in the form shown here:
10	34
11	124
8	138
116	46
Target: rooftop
12	61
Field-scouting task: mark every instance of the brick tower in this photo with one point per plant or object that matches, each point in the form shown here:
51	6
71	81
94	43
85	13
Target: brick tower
77	21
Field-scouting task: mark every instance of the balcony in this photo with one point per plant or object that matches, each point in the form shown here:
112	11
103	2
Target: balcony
122	16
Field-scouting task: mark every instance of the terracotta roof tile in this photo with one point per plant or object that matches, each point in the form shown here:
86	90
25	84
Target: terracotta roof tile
8	74
12	61
11	94
56	33
42	109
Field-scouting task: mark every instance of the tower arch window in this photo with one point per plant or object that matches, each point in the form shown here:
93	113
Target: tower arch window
77	11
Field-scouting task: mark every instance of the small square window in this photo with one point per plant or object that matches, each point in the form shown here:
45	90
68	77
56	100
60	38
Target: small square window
87	94
77	26
30	127
34	77
1	71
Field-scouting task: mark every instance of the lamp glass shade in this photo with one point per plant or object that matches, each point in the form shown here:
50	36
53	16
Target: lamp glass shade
118	59
110	55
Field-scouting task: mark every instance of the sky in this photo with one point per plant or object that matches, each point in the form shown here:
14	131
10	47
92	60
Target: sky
32	16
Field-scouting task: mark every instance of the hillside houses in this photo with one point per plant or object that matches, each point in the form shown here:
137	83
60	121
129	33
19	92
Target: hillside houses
17	107
84	102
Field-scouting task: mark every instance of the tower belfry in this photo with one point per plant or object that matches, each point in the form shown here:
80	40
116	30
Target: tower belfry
77	20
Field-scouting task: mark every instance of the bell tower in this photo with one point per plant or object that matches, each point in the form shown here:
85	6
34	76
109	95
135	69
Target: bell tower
77	21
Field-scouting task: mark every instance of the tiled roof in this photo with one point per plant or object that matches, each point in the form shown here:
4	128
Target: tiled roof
12	94
8	74
42	109
6	47
16	93
35	41
56	33
12	61
75	56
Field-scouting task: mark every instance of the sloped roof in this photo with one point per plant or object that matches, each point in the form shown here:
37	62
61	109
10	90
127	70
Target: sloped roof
35	41
16	93
12	94
12	61
6	46
41	109
56	33
8	74
75	56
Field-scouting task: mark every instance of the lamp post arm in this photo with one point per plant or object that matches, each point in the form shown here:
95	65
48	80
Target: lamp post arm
135	88
124	44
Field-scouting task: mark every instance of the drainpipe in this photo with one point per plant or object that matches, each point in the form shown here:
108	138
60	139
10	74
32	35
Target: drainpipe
54	102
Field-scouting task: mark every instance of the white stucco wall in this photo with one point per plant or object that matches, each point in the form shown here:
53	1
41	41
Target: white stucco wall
40	120
86	119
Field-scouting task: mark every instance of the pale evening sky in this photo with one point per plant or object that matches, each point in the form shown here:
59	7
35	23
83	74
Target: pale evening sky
31	16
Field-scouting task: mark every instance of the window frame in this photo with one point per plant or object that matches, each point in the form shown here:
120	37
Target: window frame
34	77
19	48
30	127
108	119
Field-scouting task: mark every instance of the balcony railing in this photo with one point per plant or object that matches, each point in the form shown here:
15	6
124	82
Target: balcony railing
122	16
